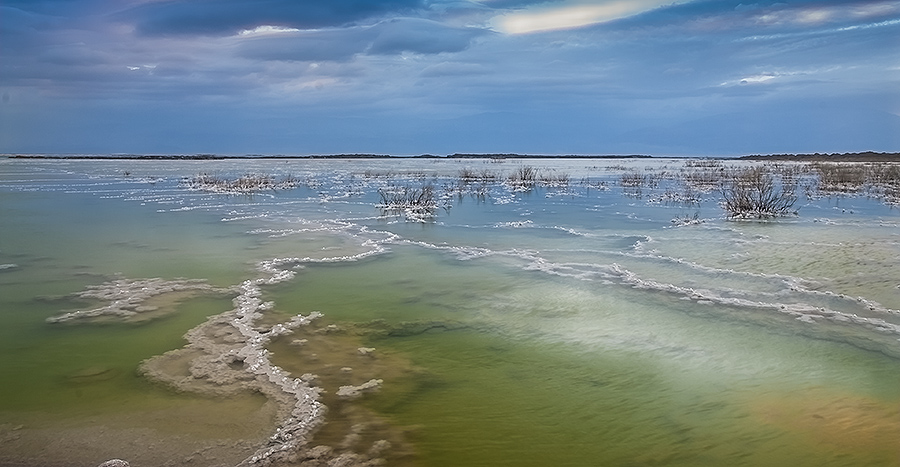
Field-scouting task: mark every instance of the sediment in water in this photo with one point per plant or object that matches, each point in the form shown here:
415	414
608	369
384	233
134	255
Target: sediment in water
227	355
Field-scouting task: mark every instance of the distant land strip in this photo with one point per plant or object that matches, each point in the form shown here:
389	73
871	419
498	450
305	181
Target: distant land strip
816	157
834	157
315	156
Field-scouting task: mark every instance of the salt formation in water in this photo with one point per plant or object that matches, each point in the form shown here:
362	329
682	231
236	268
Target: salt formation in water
355	392
115	463
227	355
126	297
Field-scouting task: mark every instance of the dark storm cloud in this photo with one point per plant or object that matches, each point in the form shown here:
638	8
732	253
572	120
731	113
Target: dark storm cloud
225	17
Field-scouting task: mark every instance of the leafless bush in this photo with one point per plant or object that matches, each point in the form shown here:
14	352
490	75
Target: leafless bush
633	179
703	163
880	179
370	173
554	180
705	179
588	183
755	193
885	178
838	177
468	175
684	196
640	179
886	173
415	203
523	178
687	220
249	183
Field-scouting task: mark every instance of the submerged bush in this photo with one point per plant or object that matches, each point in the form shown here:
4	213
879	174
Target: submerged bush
415	203
554	180
841	177
880	179
755	193
467	176
523	178
633	179
249	183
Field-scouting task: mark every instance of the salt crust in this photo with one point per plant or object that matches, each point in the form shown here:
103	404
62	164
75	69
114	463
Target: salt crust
224	355
854	329
355	392
126	297
227	354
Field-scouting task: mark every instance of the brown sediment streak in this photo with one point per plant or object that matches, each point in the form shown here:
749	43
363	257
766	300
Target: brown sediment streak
835	421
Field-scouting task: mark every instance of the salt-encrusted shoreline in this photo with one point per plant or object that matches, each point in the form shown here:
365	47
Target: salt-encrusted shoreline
227	354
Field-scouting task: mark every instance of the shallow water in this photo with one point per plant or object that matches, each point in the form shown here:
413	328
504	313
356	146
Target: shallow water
569	325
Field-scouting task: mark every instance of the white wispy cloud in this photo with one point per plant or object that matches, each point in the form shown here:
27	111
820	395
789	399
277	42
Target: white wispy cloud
267	29
571	15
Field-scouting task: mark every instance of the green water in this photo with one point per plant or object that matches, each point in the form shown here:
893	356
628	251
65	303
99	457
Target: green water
91	367
550	374
506	331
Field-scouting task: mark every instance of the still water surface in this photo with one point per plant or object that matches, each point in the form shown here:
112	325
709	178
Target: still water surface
561	325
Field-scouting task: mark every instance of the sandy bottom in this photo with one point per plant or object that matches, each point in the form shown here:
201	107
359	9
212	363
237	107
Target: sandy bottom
839	423
208	432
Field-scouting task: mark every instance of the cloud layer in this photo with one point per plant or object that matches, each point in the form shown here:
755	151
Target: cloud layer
442	76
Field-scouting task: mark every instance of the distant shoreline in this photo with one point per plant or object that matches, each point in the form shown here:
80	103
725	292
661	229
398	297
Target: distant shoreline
314	156
835	157
817	157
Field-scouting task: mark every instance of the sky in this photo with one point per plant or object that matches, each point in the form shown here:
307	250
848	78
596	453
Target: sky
410	77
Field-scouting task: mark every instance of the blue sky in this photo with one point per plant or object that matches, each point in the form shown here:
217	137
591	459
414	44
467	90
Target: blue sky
711	78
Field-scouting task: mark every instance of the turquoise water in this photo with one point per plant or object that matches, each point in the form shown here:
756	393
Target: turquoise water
563	325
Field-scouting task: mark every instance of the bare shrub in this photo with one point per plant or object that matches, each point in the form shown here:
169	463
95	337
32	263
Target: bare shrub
703	163
633	179
417	204
886	173
468	175
249	183
879	179
840	177
523	178
755	193
554	180
885	178
685	196
370	173
687	220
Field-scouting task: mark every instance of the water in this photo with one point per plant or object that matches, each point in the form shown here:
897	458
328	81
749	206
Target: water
566	325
